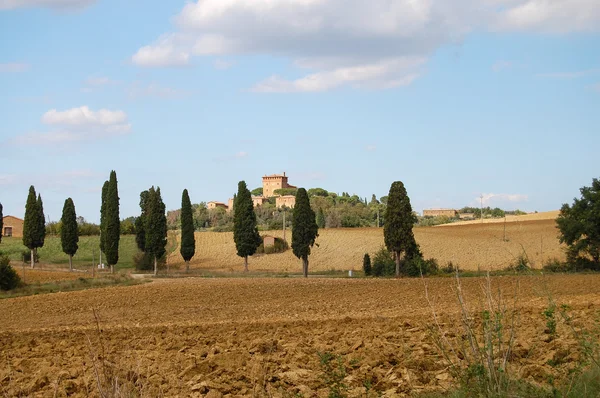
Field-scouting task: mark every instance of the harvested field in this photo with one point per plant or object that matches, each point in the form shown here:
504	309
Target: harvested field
43	276
546	215
260	337
471	247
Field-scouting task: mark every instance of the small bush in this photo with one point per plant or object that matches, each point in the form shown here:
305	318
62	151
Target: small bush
279	246
145	262
418	265
520	265
383	263
9	279
449	268
26	256
334	373
367	264
555	265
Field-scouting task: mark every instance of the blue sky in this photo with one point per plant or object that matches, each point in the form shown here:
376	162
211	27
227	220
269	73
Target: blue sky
454	98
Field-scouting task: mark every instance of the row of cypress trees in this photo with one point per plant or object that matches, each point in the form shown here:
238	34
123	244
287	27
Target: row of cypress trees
398	234
34	225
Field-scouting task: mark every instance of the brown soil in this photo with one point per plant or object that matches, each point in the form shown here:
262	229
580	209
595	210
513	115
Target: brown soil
261	337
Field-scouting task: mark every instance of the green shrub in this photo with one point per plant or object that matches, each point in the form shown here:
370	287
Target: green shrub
334	373
367	264
279	246
555	265
26	256
449	268
383	263
145	262
9	279
520	265
417	265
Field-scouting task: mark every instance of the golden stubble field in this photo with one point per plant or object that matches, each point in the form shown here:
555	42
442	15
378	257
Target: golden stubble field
261	336
471	247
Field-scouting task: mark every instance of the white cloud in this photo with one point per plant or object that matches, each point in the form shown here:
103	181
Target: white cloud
163	53
595	87
75	125
550	16
489	198
569	75
241	154
55	4
7	179
371	148
13	67
385	74
344	42
83	116
138	90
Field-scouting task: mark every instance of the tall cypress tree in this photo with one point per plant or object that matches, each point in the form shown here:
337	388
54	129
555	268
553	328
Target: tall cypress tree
156	226
245	228
31	224
1	223
140	223
41	221
188	241
304	229
399	221
103	217
68	231
113	223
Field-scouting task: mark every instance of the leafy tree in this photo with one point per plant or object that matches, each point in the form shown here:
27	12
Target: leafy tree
383	263
103	216
304	229
9	279
245	229
32	236
1	223
317	192
321	218
156	226
579	225
285	191
113	223
188	241
367	264
68	231
140	223
384	200
399	221
128	226
257	192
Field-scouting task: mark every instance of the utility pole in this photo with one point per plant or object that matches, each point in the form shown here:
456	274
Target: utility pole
284	224
481	197
100	249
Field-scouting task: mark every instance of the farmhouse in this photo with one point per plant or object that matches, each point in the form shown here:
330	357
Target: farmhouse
216	205
440	212
271	183
13	226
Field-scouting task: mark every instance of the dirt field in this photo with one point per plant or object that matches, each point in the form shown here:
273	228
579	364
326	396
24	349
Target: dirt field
49	275
471	247
261	337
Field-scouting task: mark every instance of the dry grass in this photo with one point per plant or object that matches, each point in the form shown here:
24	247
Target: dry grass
470	247
547	215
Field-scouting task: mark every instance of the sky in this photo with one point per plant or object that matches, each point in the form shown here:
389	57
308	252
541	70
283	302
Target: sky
458	99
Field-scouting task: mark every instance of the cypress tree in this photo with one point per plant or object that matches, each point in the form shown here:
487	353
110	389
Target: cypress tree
367	264
113	223
245	229
140	222
399	221
103	217
304	229
188	241
321	218
31	224
41	221
68	231
1	223
156	226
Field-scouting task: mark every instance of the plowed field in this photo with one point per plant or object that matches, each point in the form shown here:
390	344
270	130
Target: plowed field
261	337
